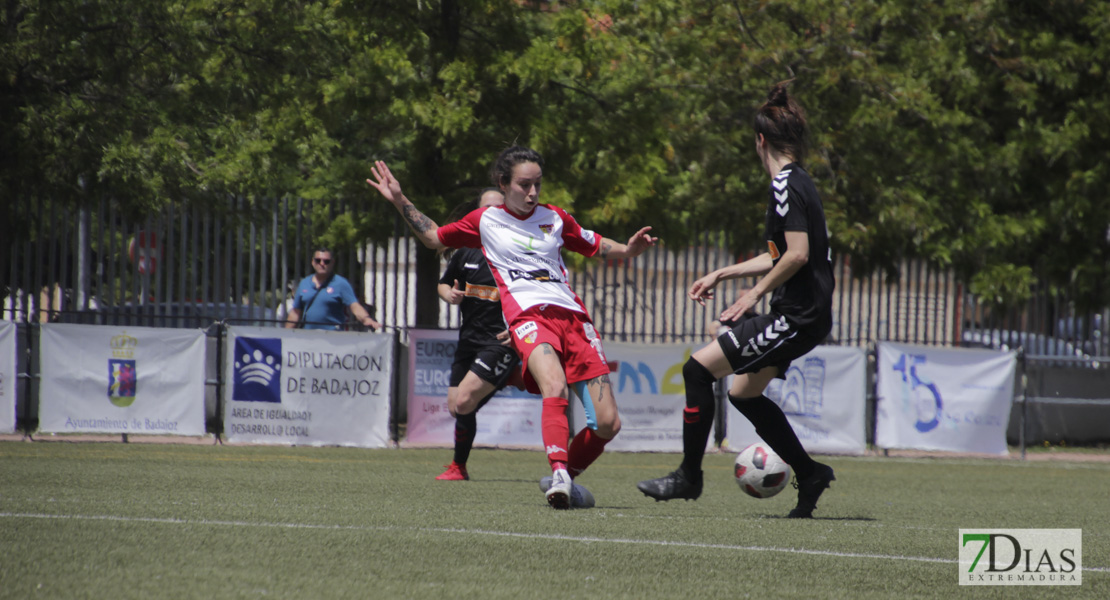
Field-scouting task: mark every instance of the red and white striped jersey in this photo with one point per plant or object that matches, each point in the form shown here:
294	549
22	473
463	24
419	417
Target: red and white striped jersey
524	253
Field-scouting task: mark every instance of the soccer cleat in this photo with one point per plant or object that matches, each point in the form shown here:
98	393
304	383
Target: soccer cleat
558	495
809	490
580	497
674	485
454	472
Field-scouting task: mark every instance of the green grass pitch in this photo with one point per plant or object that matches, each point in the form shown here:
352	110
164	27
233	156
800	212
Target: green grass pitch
112	520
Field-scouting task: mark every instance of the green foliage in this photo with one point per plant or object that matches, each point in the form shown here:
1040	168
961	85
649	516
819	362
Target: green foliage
972	134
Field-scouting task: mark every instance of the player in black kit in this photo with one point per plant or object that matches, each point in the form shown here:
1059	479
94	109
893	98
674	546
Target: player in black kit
797	271
482	364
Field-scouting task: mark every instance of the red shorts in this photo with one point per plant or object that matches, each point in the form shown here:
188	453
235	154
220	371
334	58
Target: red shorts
569	332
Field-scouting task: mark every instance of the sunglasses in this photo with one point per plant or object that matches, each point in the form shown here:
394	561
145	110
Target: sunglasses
322	261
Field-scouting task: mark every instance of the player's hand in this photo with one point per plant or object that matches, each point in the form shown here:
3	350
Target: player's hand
384	181
456	295
746	303
640	241
702	289
505	338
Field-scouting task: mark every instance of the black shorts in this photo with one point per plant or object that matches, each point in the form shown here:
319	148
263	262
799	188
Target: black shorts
765	341
494	363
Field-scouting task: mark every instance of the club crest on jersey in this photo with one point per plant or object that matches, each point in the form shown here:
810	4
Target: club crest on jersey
546	229
527	332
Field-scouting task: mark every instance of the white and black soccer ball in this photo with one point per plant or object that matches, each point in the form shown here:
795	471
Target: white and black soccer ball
760	472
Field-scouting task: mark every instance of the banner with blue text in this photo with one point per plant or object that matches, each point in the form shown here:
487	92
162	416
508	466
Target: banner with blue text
111	379
955	399
307	387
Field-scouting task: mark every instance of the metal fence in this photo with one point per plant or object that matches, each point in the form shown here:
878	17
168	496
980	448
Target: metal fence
183	266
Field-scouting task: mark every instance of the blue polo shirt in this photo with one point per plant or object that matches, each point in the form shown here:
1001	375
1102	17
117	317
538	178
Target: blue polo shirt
329	311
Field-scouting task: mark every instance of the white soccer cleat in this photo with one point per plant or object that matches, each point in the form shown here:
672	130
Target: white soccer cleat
580	497
558	495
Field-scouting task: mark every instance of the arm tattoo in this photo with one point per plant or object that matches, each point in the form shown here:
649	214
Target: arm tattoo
416	219
600	379
606	248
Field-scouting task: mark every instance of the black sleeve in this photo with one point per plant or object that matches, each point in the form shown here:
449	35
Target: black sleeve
453	270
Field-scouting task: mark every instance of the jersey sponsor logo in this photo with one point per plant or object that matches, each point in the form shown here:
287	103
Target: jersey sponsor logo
773	250
533	275
470	265
529	246
483	292
527	332
589	236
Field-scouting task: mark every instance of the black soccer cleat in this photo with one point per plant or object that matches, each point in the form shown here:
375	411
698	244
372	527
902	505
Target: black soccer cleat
674	485
809	490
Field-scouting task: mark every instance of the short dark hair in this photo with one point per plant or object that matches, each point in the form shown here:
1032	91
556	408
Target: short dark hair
502	171
323	249
782	121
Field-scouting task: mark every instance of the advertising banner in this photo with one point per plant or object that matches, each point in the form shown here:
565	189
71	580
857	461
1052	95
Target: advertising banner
8	374
307	387
510	418
647	381
111	379
824	397
955	399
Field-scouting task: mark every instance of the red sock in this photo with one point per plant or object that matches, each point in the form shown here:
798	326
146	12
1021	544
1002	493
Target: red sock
555	429
584	450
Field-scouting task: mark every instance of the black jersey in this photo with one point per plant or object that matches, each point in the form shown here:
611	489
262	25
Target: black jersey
806	298
482	318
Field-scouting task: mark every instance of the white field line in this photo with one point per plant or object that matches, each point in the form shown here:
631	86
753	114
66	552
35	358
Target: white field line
531	536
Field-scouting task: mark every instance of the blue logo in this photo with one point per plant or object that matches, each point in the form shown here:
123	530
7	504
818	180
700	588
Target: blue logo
802	392
122	381
918	395
257	370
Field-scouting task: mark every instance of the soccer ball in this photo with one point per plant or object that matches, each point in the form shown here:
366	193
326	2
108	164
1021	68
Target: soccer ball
760	472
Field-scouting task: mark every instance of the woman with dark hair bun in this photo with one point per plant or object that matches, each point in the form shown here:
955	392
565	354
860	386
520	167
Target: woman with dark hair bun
548	323
797	271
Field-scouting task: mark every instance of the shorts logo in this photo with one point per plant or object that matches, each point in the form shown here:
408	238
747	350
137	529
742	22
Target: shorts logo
588	329
527	332
760	343
732	336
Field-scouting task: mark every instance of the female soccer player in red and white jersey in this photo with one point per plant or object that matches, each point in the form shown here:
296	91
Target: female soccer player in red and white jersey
550	328
797	271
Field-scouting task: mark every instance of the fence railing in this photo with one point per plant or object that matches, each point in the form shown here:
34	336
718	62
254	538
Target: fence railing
81	264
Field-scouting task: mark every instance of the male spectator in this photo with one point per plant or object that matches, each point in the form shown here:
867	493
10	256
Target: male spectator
321	300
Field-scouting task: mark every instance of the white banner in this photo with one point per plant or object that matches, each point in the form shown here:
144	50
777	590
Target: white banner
647	381
8	374
510	418
824	396
307	387
931	398
111	379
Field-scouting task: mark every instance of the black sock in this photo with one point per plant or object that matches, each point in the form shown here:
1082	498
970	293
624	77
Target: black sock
465	427
697	419
771	425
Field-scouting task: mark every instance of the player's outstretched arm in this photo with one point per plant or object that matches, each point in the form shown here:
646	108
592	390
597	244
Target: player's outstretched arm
637	244
388	186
